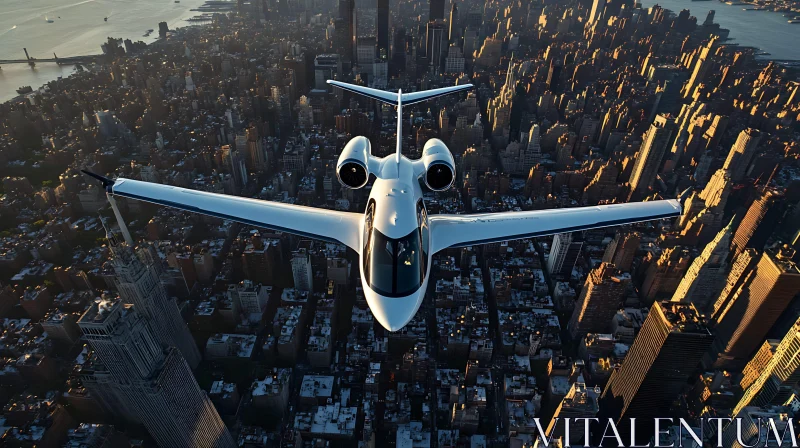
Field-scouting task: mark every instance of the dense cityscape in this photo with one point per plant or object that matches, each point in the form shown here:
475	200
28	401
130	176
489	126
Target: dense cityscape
156	327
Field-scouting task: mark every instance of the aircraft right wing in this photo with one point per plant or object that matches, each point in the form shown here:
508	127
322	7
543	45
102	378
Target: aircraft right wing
468	230
317	223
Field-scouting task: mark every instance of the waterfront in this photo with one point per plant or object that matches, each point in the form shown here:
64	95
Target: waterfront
767	30
78	28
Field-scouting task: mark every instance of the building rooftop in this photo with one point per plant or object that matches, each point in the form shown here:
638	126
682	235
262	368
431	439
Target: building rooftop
316	386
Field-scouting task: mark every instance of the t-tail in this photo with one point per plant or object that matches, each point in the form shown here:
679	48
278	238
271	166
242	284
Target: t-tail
400	99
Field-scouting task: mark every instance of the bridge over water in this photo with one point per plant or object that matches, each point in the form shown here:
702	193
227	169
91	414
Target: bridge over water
60	61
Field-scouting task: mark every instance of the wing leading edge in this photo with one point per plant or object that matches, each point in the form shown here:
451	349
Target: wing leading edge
468	230
393	98
327	225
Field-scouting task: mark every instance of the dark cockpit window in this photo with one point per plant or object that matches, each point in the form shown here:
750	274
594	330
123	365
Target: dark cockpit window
394	267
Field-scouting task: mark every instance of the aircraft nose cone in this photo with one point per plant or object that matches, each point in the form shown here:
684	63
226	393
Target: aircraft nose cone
392	313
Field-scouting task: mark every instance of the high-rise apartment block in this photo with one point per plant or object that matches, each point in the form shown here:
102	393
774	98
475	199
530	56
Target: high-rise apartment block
621	250
742	153
580	402
756	306
599	301
651	153
302	271
563	254
759	363
759	222
666	352
778	378
705	278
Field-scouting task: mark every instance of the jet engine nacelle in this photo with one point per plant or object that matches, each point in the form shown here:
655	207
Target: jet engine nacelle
352	169
440	171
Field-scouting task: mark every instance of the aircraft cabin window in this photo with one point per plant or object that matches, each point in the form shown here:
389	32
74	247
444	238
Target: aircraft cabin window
369	215
422	219
394	267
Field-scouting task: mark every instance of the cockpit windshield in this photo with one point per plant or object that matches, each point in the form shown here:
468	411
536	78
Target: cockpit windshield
394	267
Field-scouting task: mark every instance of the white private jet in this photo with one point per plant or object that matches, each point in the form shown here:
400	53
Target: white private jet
395	238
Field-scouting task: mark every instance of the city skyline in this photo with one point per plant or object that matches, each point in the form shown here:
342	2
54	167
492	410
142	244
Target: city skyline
125	323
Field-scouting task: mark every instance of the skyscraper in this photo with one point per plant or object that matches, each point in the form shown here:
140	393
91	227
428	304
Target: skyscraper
648	160
742	153
741	269
756	306
347	12
138	278
703	62
500	109
666	352
455	27
436	10
759	222
580	402
382	27
398	51
596	12
533	149
553	75
621	250
706	276
704	211
150	381
436	48
664	274
759	363
599	300
301	270
776	382
563	254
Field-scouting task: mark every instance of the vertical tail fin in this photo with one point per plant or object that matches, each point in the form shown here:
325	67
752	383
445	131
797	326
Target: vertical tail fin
399	149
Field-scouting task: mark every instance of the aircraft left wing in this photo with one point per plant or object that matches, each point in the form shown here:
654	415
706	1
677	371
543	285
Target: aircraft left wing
468	230
327	225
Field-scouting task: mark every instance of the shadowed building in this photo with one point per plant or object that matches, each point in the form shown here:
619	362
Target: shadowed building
664	355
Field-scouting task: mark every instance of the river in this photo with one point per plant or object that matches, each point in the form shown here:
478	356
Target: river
77	29
766	30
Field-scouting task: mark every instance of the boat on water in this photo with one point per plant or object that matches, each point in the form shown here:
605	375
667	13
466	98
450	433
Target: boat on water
795	21
24	89
106	19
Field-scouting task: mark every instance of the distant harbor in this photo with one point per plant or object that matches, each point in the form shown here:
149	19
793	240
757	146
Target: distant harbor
75	28
753	6
212	6
770	34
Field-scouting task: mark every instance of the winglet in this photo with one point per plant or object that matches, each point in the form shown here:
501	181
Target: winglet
684	196
106	182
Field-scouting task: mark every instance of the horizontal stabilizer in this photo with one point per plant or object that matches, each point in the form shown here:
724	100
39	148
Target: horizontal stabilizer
407	98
